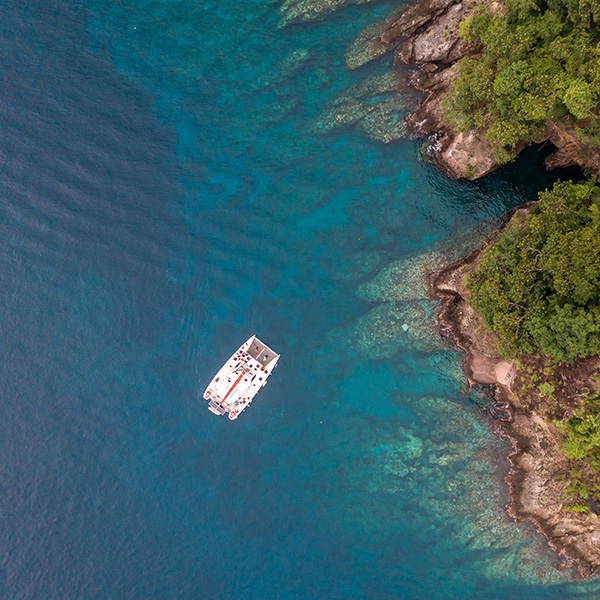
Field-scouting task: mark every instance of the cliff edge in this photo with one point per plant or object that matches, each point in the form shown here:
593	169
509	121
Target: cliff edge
426	35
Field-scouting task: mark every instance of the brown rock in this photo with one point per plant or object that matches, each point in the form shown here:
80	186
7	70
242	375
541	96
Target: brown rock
559	159
570	148
460	156
415	17
439	41
382	37
467	156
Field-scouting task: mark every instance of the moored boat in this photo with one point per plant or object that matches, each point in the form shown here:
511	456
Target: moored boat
238	381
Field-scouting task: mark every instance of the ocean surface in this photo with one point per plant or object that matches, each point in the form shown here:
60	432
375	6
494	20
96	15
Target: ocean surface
168	188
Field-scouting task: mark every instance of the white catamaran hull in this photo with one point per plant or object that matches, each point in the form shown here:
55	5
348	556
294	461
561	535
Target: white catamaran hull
233	388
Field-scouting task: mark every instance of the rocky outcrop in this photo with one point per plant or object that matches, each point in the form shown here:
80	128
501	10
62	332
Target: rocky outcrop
570	149
384	36
426	35
436	48
440	42
459	155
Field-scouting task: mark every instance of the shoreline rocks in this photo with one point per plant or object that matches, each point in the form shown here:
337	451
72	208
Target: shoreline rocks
536	479
426	35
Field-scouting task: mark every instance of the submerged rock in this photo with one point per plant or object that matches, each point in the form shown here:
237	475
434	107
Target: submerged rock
385	123
375	102
379	84
368	44
300	11
408	278
387	328
284	69
402	280
359	265
277	110
264	115
341	116
433	467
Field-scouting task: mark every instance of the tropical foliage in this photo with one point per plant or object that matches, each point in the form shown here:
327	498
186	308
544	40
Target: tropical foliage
540	60
582	436
580	441
538	285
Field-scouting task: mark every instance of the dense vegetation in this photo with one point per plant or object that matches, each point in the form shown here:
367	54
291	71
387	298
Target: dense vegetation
538	285
540	60
580	441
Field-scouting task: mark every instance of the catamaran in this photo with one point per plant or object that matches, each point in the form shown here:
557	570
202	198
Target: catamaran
233	388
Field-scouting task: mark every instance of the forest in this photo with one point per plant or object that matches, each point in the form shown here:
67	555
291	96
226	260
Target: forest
539	61
538	285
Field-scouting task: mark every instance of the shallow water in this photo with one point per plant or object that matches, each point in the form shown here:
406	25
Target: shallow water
167	191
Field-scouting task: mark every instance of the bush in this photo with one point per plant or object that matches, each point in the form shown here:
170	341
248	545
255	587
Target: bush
580	98
577	507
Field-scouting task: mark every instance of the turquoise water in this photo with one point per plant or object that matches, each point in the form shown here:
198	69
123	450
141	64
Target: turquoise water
170	187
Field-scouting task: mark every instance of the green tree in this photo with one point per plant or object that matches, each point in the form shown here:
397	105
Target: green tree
580	98
540	60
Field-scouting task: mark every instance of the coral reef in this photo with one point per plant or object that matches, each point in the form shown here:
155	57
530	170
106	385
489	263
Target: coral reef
407	279
394	325
284	69
385	123
300	11
358	265
402	280
402	319
375	104
442	443
341	116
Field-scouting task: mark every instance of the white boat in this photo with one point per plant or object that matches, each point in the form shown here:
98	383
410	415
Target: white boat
233	388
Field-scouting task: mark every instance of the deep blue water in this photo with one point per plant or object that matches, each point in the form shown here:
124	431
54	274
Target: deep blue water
159	204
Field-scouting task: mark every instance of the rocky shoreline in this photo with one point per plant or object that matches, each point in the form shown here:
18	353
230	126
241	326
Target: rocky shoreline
426	35
536	479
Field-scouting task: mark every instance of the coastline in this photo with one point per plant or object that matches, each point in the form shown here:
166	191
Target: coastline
425	35
536	480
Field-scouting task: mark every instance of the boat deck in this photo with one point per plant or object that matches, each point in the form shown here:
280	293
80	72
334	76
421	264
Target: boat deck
236	384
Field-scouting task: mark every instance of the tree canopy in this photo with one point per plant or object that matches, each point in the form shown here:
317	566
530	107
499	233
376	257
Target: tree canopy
538	285
540	60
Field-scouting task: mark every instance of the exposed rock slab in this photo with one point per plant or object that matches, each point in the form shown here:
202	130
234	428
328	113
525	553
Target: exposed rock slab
571	150
382	37
440	41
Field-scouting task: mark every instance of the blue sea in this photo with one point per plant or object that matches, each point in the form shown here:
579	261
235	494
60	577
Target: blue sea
172	182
